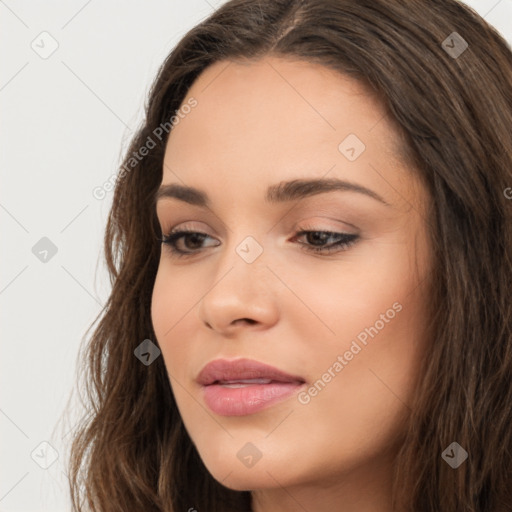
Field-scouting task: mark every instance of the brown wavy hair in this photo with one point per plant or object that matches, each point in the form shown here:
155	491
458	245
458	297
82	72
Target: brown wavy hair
131	451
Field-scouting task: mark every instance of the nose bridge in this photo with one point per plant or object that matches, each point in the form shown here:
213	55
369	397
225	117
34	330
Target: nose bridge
242	266
245	242
241	285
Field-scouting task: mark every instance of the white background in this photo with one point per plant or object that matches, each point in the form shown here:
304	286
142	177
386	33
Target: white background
65	121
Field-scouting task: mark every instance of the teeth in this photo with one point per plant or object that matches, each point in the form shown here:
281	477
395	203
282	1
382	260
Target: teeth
243	382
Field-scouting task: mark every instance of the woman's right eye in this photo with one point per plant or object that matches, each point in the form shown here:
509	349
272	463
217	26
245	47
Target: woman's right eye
171	242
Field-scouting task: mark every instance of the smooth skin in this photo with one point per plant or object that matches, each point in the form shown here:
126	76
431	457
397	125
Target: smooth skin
258	123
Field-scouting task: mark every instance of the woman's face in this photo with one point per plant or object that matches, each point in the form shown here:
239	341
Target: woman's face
348	325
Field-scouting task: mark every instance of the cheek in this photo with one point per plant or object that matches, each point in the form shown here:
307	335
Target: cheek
375	353
162	306
362	384
170	314
372	294
377	312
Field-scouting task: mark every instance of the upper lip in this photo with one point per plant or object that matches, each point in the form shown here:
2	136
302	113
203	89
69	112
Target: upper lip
223	370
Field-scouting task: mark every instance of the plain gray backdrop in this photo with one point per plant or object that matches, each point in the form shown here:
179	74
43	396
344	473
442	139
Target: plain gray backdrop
73	80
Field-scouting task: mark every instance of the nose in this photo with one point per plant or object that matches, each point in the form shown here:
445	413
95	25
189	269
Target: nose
242	295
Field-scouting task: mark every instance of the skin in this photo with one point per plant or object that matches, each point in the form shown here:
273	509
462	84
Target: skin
293	309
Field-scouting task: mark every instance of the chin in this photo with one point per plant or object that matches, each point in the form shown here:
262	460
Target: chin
236	476
247	480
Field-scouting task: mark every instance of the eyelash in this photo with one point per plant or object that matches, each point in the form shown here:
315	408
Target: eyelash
346	241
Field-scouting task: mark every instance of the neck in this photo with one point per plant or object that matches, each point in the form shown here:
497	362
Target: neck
363	489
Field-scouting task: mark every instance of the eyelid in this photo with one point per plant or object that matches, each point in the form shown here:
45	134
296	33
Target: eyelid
318	224
187	226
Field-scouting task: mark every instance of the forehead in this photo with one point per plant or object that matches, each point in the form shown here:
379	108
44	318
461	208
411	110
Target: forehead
280	119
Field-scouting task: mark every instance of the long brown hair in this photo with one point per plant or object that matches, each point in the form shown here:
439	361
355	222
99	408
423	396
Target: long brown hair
453	107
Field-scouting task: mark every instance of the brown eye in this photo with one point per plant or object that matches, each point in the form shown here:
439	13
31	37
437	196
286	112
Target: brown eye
317	240
192	241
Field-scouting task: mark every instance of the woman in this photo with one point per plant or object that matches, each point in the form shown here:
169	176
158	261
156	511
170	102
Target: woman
310	249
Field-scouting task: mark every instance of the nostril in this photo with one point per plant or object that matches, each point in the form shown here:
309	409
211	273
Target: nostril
248	320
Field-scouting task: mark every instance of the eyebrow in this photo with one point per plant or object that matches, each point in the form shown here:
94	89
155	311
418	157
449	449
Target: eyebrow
281	192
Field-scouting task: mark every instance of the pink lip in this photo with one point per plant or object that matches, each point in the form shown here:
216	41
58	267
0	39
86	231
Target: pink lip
249	397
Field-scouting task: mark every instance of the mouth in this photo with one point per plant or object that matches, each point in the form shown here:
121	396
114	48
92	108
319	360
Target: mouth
240	387
242	383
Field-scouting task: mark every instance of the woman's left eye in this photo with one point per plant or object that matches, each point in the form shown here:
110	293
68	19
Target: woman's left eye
315	241
344	241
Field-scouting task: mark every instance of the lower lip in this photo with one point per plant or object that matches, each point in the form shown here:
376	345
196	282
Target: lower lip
248	399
